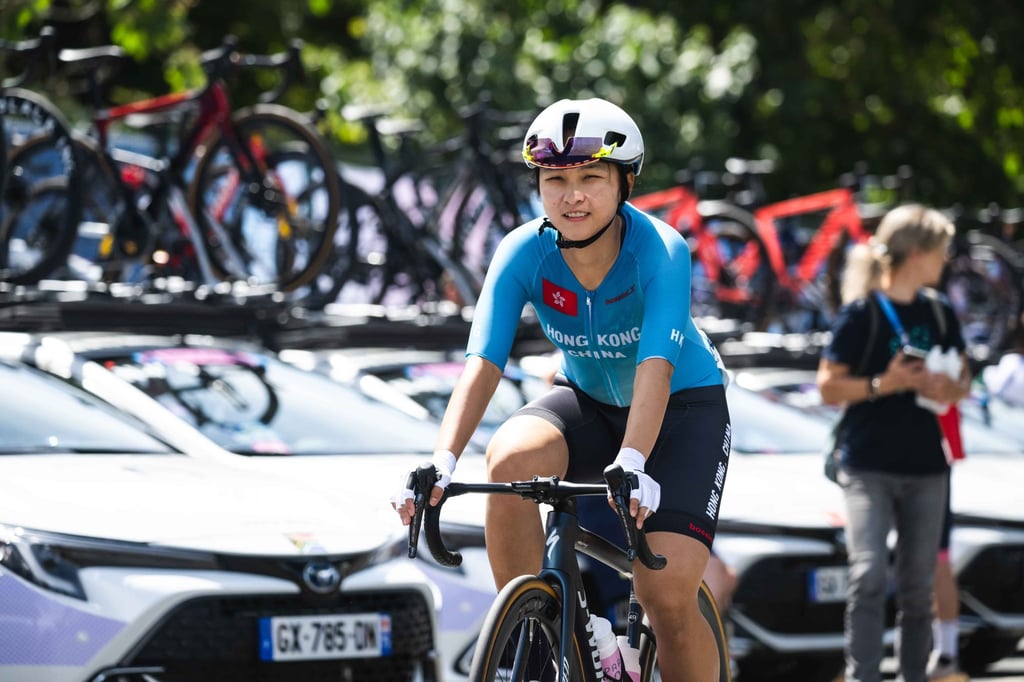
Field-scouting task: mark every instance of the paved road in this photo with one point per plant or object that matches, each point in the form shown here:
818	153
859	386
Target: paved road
1006	670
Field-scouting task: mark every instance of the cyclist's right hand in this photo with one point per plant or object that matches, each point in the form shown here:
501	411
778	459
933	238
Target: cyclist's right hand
443	462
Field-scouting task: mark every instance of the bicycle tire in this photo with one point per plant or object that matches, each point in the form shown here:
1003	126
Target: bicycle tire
526	602
281	242
40	169
373	261
731	276
983	280
709	609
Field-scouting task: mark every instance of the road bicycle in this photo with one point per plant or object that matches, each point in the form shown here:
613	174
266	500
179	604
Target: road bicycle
776	265
215	195
425	235
537	627
39	197
984	279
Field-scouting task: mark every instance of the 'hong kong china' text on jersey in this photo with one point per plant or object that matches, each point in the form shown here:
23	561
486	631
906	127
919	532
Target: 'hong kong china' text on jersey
641	309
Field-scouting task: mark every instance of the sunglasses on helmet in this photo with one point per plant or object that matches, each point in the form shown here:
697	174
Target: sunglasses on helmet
579	151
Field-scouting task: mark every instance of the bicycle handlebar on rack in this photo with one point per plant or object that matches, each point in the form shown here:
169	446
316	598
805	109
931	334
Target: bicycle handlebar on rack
548	490
221	62
31	49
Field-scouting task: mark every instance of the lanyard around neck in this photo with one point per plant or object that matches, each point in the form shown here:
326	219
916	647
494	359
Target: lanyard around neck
894	320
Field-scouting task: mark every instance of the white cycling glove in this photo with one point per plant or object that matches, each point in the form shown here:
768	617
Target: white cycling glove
443	461
648	494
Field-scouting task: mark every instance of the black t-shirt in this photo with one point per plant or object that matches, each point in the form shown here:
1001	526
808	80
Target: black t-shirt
891	434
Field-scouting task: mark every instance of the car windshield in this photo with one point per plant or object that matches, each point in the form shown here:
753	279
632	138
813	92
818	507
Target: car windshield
251	403
42	414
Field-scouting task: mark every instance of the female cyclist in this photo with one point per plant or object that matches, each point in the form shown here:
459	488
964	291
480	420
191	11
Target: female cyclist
639	384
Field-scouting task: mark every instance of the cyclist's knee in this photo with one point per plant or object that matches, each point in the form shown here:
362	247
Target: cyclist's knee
525	447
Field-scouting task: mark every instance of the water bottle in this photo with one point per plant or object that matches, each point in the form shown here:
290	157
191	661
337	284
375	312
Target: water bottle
607	648
630	660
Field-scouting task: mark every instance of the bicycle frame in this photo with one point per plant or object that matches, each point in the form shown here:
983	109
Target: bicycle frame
560	567
842	216
213	116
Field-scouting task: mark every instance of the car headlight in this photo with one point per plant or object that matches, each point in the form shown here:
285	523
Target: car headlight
53	560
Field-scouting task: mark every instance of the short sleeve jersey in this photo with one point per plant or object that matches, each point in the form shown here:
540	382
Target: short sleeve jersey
892	434
641	309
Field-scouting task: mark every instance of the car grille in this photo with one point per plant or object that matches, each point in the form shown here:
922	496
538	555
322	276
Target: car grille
216	639
774	593
995	577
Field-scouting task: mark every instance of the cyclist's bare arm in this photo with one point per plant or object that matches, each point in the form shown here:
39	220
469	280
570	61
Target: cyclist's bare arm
466	406
646	413
650	398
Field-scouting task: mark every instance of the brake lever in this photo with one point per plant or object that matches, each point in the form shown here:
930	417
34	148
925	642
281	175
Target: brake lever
621	485
421	482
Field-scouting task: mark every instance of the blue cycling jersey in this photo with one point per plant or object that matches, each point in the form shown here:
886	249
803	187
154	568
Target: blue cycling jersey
641	309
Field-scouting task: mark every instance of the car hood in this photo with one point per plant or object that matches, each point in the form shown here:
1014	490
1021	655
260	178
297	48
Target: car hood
373	479
784	490
988	487
790	490
183	502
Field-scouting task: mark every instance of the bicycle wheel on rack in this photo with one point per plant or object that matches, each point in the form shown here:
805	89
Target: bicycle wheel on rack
521	636
983	282
41	198
267	201
732	277
373	262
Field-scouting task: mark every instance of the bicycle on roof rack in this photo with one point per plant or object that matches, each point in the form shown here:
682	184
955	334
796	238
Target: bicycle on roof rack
208	193
774	265
538	626
425	236
39	195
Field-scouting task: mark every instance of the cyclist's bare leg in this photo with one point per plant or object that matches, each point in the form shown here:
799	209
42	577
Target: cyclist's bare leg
523	447
686	644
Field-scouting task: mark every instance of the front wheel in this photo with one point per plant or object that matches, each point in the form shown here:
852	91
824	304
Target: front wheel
521	636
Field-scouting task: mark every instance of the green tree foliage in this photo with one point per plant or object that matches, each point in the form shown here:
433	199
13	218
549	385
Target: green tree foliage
816	86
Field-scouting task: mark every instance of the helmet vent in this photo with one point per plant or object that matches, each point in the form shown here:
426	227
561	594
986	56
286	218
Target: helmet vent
569	123
612	137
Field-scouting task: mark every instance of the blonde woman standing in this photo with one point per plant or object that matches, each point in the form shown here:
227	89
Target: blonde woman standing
891	458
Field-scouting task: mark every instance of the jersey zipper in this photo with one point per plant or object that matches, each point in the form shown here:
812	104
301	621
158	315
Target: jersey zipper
609	381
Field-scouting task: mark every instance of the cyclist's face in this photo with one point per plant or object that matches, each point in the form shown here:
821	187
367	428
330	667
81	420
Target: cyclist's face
580	201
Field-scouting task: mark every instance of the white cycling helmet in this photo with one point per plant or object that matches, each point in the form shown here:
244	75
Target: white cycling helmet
577	132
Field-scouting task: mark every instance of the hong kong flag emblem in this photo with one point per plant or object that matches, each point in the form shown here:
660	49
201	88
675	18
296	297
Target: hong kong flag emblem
562	300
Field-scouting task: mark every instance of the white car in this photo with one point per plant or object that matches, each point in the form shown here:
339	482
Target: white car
124	558
269	418
987	539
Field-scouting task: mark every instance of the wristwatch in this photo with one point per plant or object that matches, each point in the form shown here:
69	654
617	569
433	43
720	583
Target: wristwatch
874	387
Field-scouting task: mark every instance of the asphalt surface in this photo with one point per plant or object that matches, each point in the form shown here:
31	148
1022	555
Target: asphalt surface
1006	670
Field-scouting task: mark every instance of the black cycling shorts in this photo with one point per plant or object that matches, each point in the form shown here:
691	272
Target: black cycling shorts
690	458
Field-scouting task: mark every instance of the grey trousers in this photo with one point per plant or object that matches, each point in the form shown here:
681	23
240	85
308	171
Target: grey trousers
914	506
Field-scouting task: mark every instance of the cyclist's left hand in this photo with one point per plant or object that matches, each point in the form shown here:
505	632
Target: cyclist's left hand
645	498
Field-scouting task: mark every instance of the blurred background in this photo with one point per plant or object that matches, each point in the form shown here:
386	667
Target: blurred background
814	86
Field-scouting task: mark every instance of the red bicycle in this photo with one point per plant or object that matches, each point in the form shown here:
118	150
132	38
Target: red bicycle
774	265
205	193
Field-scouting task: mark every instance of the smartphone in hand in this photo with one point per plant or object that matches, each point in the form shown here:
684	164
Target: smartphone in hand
915	353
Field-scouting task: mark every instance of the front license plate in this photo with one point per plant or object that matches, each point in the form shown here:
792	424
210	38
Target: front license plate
828	584
324	636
